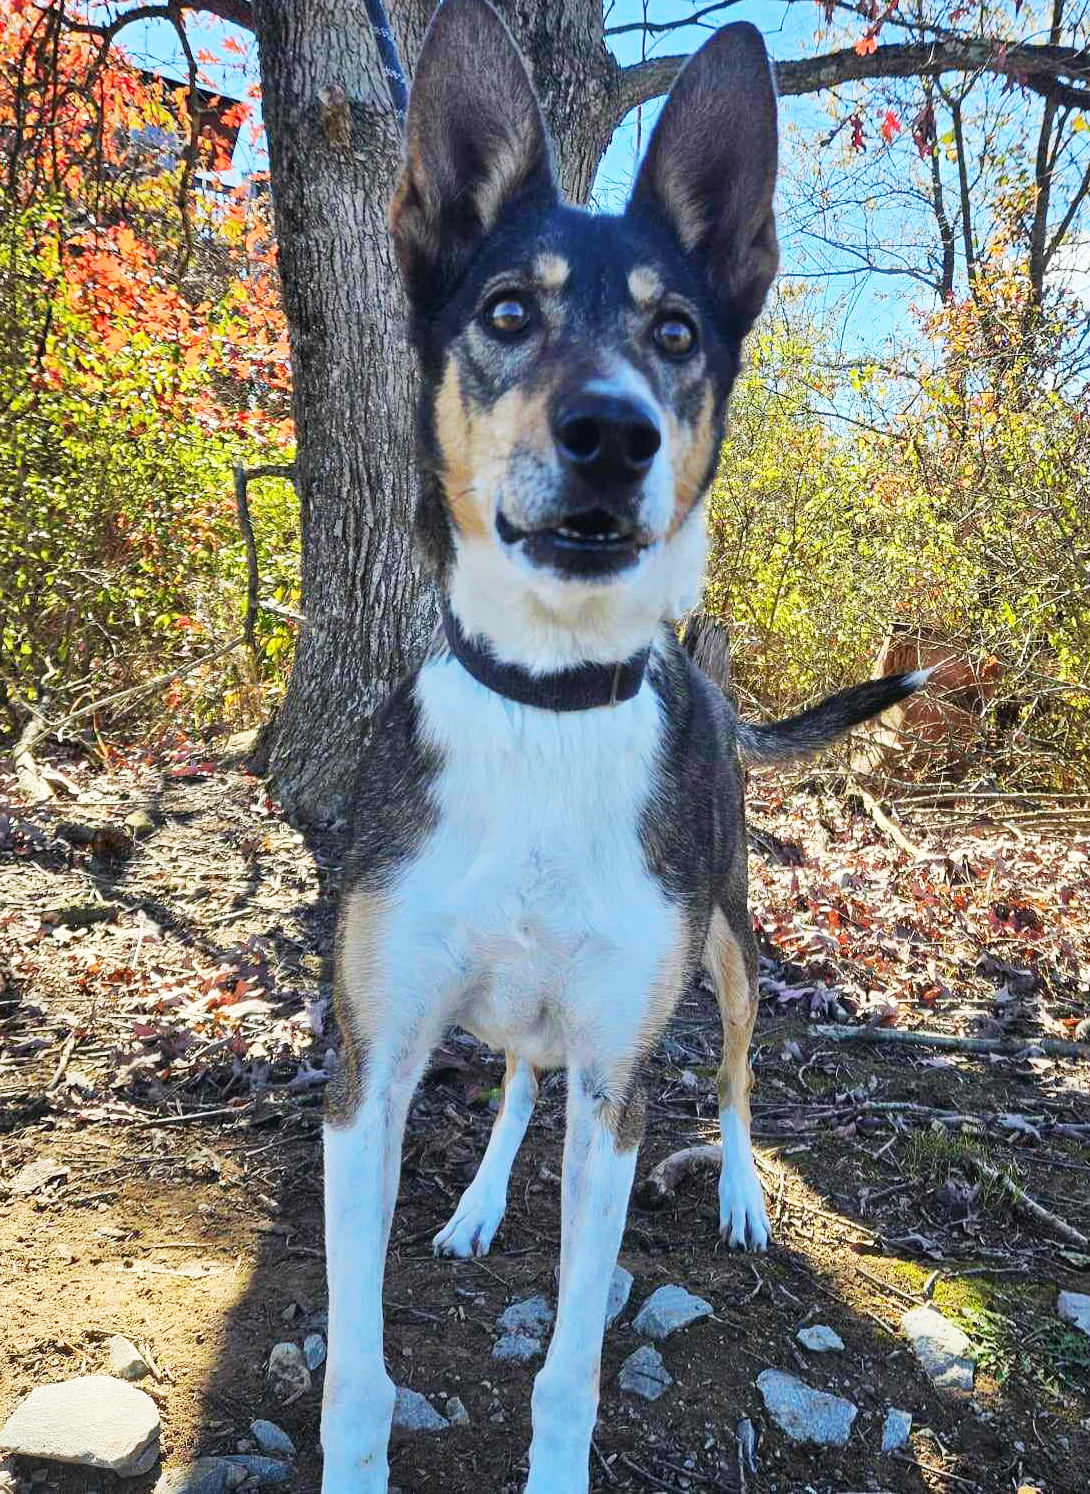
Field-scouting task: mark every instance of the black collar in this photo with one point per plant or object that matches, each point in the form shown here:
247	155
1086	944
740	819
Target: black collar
578	689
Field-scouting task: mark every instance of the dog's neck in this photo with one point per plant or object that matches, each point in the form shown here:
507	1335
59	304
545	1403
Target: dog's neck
582	687
545	625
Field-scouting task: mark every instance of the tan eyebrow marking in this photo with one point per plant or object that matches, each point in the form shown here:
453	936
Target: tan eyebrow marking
551	271
644	286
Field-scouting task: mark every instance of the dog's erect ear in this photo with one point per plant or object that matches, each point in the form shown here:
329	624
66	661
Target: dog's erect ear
710	169
474	142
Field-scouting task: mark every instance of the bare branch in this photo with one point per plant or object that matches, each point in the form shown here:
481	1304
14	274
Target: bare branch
1044	69
655	28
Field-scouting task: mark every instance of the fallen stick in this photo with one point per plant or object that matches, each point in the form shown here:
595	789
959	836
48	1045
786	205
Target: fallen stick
62	1063
660	1185
1054	1047
883	821
1029	1206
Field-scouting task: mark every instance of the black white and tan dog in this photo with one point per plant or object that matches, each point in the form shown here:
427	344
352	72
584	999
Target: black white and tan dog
549	828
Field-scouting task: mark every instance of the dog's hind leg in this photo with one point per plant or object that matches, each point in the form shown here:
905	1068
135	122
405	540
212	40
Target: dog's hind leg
481	1207
599	1163
730	955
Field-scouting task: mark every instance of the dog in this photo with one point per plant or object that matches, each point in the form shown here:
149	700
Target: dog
549	835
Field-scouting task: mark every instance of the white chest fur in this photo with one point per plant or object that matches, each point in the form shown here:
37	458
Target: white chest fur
530	905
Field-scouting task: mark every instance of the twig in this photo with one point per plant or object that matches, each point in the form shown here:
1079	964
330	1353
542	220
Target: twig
244	476
931	1468
1054	1047
883	821
62	1063
1029	1206
55	728
192	1115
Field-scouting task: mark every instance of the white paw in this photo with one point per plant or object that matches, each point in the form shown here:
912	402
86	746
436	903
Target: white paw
470	1230
743	1219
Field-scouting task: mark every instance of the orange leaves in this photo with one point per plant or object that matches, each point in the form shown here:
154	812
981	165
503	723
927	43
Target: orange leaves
867	43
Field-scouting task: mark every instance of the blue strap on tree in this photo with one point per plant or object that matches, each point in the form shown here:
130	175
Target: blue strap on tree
387	51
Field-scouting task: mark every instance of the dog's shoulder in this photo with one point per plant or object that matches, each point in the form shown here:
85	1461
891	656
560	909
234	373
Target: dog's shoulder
393	805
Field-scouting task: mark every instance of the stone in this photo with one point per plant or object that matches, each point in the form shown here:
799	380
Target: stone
287	1372
620	1287
272	1439
413	1412
516	1348
667	1310
895	1429
643	1373
806	1415
314	1350
942	1349
125	1359
95	1420
1074	1307
203	1476
820	1339
532	1316
457	1414
264	1470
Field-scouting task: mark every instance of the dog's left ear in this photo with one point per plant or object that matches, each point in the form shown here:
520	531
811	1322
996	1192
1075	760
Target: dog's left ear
474	142
710	170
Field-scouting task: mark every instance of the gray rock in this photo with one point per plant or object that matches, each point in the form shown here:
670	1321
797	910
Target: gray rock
806	1415
413	1412
457	1414
314	1350
203	1476
643	1373
895	1429
667	1310
1074	1307
941	1347
620	1287
271	1438
126	1360
265	1470
820	1339
533	1316
287	1372
516	1348
95	1420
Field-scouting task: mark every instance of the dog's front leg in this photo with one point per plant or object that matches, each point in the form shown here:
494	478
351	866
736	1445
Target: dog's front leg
599	1163
362	1167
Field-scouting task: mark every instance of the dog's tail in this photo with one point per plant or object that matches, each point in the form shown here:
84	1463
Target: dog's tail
810	732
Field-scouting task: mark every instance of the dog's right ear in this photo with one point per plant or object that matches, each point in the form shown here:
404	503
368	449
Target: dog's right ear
475	141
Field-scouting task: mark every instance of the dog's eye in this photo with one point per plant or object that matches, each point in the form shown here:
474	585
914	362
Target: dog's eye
675	335
508	315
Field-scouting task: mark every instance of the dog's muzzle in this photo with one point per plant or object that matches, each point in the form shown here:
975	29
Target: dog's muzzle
606	444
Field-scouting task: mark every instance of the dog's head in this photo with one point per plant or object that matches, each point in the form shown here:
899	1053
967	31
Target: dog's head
576	367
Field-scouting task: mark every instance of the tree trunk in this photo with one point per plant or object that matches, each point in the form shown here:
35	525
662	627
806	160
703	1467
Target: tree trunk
334	148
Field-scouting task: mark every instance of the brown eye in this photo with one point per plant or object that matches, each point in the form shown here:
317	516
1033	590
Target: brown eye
675	335
508	315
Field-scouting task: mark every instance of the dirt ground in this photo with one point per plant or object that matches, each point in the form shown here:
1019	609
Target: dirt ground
163	1042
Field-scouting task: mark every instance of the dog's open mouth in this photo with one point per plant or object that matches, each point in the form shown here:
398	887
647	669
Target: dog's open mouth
593	542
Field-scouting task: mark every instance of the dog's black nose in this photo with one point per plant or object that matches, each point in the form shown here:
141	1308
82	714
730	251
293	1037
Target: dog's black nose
610	440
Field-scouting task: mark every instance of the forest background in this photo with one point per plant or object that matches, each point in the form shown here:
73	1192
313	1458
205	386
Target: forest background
908	450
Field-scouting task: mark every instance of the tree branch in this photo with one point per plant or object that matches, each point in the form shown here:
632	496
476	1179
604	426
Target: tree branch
655	28
1040	68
